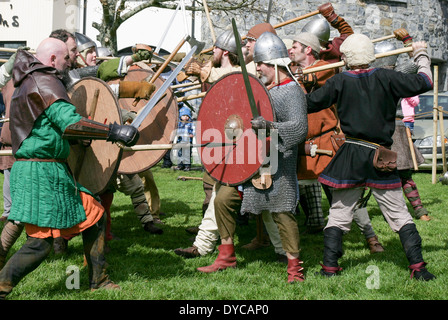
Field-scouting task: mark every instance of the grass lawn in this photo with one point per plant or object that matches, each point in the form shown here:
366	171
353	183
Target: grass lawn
146	268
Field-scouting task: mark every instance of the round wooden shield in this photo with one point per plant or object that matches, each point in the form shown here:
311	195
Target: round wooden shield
158	127
96	164
225	117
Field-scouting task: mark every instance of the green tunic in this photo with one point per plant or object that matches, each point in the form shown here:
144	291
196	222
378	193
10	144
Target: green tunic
45	193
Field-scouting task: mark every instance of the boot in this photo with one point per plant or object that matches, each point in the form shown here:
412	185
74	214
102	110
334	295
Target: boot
60	245
295	271
151	228
192	230
332	251
257	243
262	239
10	233
374	245
94	243
191	252
226	259
412	245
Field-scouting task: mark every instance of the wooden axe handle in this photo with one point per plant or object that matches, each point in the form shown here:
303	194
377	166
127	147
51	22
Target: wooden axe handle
184	178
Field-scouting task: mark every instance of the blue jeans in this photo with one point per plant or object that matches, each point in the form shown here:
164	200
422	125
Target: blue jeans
409	125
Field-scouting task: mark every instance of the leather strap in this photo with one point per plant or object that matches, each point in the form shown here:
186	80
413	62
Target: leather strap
43	160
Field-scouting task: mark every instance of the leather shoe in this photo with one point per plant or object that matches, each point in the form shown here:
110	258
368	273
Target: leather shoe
151	228
191	252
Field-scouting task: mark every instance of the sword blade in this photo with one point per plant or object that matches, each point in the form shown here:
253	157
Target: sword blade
250	94
155	98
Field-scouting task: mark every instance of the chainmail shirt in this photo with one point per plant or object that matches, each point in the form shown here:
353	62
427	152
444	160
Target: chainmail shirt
289	106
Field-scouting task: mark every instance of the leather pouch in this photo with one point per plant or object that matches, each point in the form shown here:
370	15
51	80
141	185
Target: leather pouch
385	159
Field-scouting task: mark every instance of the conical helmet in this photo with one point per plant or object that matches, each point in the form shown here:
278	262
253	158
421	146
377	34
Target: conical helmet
383	47
226	41
320	28
104	52
269	47
83	42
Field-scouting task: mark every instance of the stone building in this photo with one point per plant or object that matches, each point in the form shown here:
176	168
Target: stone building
424	20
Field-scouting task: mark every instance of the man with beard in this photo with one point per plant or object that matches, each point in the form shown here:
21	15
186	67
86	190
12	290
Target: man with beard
84	64
226	198
280	199
42	119
225	60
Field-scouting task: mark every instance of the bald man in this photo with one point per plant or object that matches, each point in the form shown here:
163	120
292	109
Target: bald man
42	119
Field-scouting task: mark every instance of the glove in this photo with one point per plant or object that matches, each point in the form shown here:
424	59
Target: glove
10	63
193	68
127	116
259	123
136	89
402	35
128	135
141	54
298	74
327	11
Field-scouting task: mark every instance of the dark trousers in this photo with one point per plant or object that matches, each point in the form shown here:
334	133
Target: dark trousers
35	250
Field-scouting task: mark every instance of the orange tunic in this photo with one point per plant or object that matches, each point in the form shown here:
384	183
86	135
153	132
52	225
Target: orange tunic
94	212
321	126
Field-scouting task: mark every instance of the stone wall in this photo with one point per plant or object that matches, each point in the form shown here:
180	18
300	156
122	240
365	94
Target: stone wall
424	19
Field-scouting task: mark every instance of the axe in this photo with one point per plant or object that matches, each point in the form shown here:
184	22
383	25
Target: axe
143	113
411	146
192	41
307	15
194	44
184	178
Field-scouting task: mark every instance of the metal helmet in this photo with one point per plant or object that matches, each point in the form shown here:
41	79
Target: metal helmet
383	47
444	178
320	28
83	42
226	41
269	47
104	52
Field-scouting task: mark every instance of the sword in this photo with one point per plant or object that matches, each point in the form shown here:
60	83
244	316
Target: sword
155	98
250	94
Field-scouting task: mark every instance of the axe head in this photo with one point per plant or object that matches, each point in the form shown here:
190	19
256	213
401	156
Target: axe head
193	42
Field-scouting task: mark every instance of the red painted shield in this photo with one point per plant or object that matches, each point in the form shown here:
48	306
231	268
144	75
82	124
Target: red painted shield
225	117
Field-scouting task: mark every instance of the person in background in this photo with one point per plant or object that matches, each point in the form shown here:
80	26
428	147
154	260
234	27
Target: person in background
408	107
185	134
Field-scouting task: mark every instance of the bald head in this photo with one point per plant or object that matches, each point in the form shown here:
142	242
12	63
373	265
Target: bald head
54	53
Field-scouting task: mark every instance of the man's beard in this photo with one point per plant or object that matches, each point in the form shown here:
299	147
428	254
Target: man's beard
217	61
65	77
263	78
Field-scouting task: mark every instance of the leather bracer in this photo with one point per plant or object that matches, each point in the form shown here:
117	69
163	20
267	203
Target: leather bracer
86	129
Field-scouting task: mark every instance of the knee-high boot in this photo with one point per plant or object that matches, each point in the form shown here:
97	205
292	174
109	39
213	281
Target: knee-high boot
226	259
412	245
332	251
94	242
10	233
24	261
